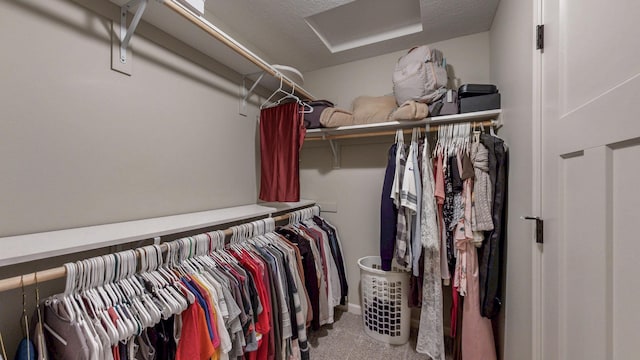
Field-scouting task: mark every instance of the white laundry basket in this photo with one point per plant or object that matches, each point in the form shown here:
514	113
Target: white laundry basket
385	301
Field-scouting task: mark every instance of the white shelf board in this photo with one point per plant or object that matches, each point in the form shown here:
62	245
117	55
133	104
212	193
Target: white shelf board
393	125
30	247
288	206
182	29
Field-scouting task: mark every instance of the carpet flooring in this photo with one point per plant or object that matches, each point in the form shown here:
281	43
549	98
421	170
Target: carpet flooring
345	339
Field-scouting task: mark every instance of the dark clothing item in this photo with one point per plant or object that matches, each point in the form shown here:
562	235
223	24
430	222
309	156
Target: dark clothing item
165	343
491	260
310	277
416	284
336	252
468	171
26	350
388	213
456	179
281	136
457	340
448	209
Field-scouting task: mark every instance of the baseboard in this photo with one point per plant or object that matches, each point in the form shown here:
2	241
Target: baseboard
351	308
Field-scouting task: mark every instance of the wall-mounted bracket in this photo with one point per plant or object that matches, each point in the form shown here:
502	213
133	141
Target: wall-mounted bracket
246	94
127	32
335	150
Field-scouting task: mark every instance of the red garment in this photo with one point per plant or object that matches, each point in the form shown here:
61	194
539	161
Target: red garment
194	340
281	136
263	321
454	310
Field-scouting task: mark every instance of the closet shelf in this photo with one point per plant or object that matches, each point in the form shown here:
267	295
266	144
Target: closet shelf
487	117
199	33
367	129
30	247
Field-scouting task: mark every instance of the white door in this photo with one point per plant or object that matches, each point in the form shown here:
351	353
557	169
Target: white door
591	180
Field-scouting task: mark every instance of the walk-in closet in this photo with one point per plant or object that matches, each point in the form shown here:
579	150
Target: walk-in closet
346	179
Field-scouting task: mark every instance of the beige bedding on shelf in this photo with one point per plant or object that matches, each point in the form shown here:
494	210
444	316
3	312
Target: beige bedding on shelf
374	109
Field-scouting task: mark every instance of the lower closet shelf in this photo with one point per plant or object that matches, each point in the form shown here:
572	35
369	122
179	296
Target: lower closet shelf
253	296
30	247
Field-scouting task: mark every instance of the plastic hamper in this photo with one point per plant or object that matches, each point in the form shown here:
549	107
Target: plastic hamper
385	306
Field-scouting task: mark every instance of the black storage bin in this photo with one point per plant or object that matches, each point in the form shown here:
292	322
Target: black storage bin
468	90
479	103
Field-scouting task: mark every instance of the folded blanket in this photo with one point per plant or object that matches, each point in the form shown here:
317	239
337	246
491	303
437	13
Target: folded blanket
373	109
410	110
334	117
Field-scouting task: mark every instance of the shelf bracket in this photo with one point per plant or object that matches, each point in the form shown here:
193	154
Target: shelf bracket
335	150
127	32
246	94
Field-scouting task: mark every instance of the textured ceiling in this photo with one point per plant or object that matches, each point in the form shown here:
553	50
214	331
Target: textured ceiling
276	29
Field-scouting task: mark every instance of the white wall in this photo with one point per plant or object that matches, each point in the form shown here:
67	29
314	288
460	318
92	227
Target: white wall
82	144
356	187
512	50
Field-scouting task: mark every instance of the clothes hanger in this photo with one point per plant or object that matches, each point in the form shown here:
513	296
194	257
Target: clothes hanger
151	262
272	94
476	134
25	325
4	350
40	346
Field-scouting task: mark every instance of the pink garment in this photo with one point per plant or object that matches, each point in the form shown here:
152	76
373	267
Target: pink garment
477	333
439	195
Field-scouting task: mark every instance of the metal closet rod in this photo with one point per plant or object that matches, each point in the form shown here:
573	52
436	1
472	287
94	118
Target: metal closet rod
17	282
234	45
433	128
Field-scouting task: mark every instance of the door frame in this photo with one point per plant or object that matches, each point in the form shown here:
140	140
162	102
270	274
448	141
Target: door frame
536	193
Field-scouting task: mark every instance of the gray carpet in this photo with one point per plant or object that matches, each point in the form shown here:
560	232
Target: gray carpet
345	339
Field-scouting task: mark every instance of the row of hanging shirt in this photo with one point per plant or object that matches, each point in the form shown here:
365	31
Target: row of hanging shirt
251	299
434	213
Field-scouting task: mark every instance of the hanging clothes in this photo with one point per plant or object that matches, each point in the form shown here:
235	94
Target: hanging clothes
431	330
282	134
491	262
246	301
477	333
457	205
388	212
402	245
482	189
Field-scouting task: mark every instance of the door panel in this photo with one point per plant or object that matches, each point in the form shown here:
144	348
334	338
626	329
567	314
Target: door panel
599	40
626	248
590	179
584	269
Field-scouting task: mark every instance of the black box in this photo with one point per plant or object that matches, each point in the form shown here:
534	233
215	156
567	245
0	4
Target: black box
469	90
480	103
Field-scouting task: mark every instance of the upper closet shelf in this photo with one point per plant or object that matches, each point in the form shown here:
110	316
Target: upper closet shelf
384	128
487	117
198	32
30	247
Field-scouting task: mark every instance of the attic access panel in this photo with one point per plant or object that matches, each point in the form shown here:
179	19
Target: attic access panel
364	22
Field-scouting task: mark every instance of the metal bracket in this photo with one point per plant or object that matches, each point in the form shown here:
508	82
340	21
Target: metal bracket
246	94
127	32
540	37
539	228
335	150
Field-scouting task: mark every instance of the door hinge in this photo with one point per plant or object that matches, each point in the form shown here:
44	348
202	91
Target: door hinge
539	228
540	37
